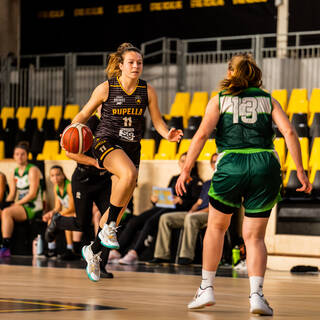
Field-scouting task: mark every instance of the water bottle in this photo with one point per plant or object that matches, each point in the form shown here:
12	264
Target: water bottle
235	255
39	245
34	246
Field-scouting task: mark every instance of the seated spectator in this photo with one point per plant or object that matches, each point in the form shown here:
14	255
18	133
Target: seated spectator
191	221
147	221
4	190
64	204
25	182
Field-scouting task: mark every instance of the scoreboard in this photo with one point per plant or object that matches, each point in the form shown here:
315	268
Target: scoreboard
51	26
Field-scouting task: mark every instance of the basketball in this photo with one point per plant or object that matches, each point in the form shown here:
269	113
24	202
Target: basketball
76	138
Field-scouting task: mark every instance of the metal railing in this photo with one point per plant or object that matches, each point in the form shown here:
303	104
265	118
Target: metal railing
171	65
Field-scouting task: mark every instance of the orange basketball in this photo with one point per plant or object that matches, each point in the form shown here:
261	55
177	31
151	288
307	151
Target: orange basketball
76	138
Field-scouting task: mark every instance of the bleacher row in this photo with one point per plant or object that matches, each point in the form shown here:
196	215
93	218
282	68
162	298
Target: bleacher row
40	126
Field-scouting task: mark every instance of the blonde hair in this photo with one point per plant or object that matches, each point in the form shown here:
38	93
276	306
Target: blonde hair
245	74
115	58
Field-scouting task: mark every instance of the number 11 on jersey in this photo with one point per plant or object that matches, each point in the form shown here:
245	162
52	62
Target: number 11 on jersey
127	121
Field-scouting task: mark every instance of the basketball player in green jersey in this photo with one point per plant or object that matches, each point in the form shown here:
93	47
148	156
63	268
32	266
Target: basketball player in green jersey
124	98
247	173
25	182
64	205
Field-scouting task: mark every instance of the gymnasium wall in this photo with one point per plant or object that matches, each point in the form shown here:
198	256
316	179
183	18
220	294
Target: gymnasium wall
101	25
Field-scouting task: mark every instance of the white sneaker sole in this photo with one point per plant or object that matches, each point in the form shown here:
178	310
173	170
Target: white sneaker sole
107	244
261	311
201	306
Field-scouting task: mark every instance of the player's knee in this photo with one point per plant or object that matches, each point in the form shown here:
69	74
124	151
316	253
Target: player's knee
130	175
252	235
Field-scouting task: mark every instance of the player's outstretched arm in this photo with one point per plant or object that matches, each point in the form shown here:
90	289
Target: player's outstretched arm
207	125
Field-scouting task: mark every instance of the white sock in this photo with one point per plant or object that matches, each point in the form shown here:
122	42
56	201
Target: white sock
70	246
256	284
207	278
51	245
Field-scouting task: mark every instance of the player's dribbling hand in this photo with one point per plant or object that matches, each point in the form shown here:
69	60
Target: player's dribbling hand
174	135
181	183
306	185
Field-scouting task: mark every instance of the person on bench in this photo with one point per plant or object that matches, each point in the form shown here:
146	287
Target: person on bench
26	194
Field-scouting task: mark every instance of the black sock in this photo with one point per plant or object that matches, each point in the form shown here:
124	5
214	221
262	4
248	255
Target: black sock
113	213
6	242
104	257
76	246
97	246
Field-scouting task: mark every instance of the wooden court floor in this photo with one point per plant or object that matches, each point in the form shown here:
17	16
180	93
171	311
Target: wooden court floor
41	293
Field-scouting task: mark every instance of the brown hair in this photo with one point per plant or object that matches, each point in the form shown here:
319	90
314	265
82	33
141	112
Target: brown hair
115	58
23	145
246	74
59	168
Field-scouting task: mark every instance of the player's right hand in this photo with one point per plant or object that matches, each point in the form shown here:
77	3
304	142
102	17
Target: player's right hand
306	185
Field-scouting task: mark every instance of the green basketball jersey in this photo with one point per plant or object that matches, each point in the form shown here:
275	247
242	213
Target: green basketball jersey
23	185
63	198
245	120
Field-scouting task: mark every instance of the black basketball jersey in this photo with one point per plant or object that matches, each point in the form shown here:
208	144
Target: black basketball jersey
122	113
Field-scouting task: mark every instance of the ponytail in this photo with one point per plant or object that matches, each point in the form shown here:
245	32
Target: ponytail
245	74
115	58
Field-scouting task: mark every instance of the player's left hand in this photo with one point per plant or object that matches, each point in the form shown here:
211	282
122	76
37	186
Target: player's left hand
174	135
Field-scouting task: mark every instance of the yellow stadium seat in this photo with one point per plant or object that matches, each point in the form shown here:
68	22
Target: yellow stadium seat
280	147
297	99
314	169
2	153
166	151
304	144
55	113
50	150
298	106
198	104
282	97
314	105
147	149
61	156
208	150
39	113
22	114
181	104
183	147
6	113
71	111
213	93
315	153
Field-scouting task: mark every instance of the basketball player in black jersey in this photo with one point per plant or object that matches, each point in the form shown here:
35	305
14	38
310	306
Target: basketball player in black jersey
90	184
124	98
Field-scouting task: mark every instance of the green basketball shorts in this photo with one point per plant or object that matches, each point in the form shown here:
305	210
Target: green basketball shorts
247	176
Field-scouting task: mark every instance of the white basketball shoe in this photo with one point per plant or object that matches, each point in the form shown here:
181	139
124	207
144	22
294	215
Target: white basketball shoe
259	305
93	263
108	236
203	298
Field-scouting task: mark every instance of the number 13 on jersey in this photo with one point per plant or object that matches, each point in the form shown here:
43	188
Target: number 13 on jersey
245	109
